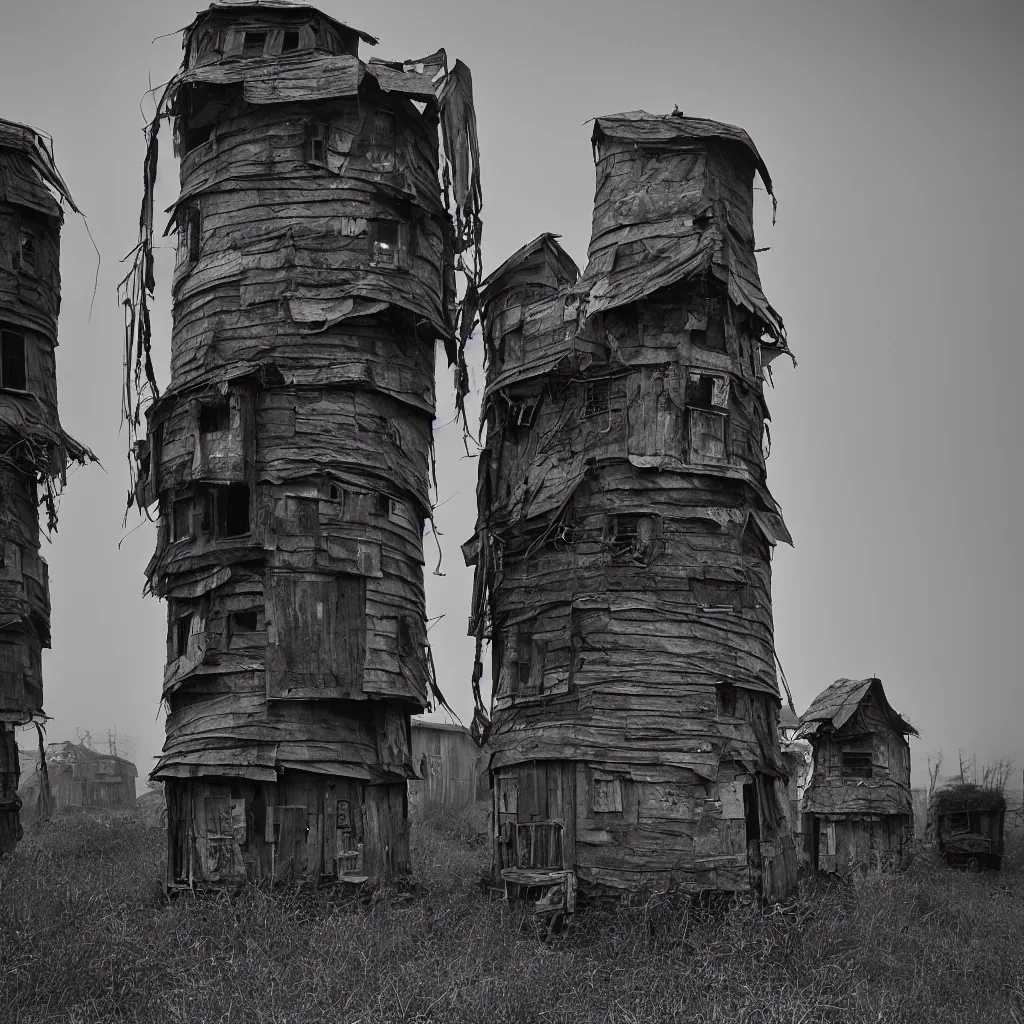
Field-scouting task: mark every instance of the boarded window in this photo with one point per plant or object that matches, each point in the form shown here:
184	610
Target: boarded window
707	435
232	510
12	361
290	41
253	44
624	534
214	418
316	144
724	594
319	636
856	764
606	794
384	243
181	519
27	251
598	398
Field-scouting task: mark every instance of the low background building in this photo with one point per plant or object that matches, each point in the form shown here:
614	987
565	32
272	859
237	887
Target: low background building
79	777
857	809
452	768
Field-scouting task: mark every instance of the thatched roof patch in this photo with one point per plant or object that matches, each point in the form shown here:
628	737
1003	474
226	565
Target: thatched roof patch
966	796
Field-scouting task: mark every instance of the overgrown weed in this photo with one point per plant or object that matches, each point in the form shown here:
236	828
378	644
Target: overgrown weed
87	935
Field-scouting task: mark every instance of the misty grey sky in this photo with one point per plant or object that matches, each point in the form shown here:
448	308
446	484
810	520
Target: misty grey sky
894	134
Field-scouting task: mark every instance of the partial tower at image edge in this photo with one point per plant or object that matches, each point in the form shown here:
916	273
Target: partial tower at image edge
36	449
289	456
623	545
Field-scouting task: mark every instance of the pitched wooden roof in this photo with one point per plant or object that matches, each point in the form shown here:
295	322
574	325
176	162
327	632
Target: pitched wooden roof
838	703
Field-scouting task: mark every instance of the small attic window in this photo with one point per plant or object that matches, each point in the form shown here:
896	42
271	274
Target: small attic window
384	246
598	400
624	534
214	418
316	144
27	251
290	41
253	44
12	361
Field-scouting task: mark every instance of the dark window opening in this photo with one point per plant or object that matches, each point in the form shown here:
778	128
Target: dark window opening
856	764
214	418
189	227
384	243
727	700
520	414
750	813
181	524
27	251
381	505
334	492
384	129
196	136
290	41
253	44
244	622
12	361
233	510
599	393
625	534
406	643
182	631
712	337
316	144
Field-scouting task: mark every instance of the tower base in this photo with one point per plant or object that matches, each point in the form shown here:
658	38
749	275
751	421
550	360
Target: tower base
308	827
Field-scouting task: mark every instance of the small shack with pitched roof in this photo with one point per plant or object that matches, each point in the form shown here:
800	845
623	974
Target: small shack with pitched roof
857	809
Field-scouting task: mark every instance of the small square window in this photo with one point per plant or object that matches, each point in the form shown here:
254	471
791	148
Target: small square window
380	504
624	534
520	414
856	764
215	418
290	41
27	251
233	510
244	622
598	400
384	243
12	361
253	44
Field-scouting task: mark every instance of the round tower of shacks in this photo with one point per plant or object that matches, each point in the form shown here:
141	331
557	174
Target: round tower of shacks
289	455
625	531
34	450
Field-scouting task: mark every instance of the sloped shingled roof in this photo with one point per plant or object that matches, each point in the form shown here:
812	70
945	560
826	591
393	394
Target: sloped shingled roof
838	703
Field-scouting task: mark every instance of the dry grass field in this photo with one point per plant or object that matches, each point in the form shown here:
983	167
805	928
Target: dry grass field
87	935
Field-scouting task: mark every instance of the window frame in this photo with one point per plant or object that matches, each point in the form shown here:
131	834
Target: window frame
597	398
376	243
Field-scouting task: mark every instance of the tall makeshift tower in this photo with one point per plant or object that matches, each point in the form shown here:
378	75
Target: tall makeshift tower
289	455
623	543
34	450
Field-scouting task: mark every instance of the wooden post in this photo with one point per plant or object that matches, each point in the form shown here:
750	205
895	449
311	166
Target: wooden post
10	802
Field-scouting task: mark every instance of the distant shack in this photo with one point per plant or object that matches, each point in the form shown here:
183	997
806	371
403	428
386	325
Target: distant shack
80	779
857	809
452	768
967	823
